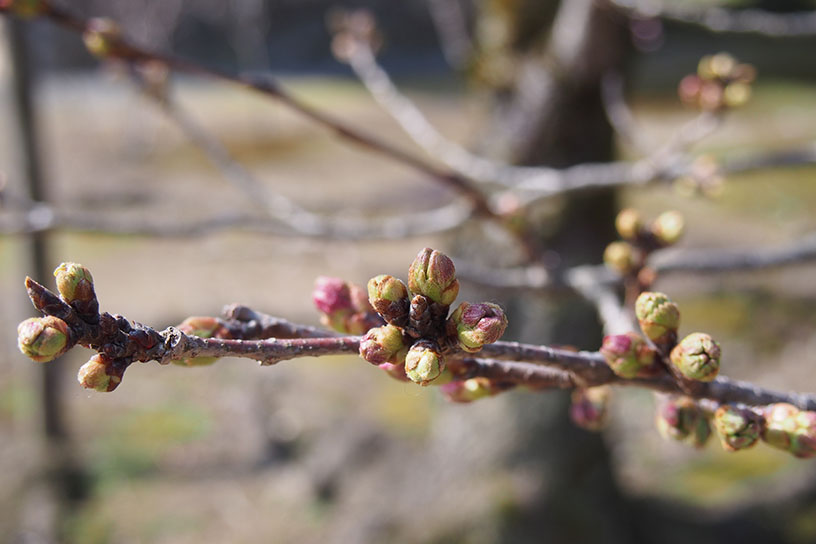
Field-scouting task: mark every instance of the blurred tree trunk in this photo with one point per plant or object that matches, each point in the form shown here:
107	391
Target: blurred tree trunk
549	112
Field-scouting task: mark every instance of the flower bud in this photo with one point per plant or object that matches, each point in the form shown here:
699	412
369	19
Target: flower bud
99	374
738	427
476	325
24	8
383	345
629	223
589	407
423	363
736	94
627	354
102	37
389	297
468	390
668	228
679	418
697	357
75	283
689	89
395	371
790	429
620	257
333	299
432	274
657	315
721	65
203	327
43	339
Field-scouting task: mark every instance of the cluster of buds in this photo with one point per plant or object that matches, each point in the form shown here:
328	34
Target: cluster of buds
790	429
589	407
720	83
628	355
418	332
640	238
343	306
680	418
738	428
24	8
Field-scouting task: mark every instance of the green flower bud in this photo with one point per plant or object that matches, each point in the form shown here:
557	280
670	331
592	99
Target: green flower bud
24	8
43	339
389	297
98	374
679	418
620	257
790	429
668	228
736	94
203	327
629	223
468	390
476	325
432	274
658	316
423	363
74	283
102	37
383	345
589	407
738	428
627	354
697	357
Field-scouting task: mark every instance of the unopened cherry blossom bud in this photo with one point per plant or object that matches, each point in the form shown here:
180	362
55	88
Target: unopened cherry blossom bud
432	274
423	363
790	429
738	427
24	8
668	228
589	407
396	371
75	284
697	357
658	316
99	374
203	327
43	339
629	223
468	390
383	345
333	299
102	37
679	418
736	94
620	257
689	89
389	297
476	325
627	354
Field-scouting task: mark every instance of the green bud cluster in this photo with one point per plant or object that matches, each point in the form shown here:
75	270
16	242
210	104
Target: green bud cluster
589	408
720	82
738	428
790	429
627	354
697	357
658	317
382	345
43	339
424	363
99	374
679	418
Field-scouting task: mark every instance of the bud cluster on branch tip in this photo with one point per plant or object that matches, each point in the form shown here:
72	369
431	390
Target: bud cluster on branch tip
100	374
790	429
589	407
75	284
738	427
468	390
658	317
627	354
697	357
433	275
203	327
680	418
720	82
24	8
475	325
424	362
43	339
102	37
383	345
344	306
389	297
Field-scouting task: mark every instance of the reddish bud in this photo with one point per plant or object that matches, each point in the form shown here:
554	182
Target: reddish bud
476	325
432	274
